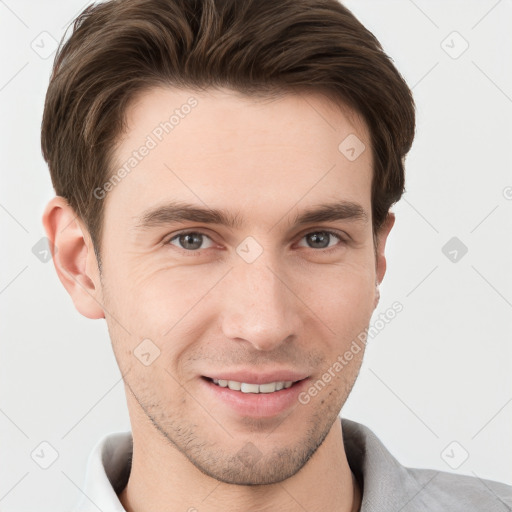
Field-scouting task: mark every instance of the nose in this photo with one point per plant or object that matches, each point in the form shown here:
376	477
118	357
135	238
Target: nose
259	307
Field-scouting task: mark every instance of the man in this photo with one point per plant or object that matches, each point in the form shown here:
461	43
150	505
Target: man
224	173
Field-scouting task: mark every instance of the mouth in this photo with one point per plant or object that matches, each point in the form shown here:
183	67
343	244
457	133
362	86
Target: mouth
246	387
255	394
261	397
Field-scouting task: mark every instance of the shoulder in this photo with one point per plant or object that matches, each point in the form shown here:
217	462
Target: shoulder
460	493
388	486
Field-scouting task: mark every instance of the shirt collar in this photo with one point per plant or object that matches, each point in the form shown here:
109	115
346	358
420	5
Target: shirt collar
381	477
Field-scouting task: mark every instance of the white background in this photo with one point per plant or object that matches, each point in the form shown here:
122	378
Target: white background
439	372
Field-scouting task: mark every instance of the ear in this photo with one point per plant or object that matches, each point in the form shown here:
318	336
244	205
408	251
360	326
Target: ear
380	257
73	256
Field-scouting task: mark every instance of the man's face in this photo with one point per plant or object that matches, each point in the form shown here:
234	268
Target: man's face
263	300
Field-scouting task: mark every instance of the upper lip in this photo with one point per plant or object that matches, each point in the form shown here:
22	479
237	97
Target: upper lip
259	377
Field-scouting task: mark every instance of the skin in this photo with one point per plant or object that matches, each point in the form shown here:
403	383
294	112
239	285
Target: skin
296	306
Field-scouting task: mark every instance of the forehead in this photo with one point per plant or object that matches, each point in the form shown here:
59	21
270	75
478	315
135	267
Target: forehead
160	112
215	147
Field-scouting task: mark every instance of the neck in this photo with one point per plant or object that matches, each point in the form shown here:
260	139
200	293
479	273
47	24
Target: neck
161	478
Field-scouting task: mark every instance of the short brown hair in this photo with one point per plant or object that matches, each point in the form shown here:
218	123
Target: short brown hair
257	47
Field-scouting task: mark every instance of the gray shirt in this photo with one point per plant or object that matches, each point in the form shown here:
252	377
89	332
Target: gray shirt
387	486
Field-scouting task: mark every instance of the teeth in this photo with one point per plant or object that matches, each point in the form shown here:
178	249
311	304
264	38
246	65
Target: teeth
268	388
249	388
244	387
232	384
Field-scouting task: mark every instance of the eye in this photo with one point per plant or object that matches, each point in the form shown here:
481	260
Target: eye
322	239
190	241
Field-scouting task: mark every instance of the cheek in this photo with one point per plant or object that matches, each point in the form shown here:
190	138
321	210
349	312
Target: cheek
350	298
170	307
345	287
169	299
149	294
345	302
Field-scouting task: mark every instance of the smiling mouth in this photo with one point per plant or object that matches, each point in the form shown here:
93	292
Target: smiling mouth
245	387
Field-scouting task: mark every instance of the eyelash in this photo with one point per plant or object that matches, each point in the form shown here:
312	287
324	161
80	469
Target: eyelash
198	252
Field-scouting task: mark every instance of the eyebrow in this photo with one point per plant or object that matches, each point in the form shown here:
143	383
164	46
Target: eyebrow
175	212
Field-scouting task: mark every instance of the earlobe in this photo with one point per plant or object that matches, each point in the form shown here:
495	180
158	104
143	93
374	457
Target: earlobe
71	252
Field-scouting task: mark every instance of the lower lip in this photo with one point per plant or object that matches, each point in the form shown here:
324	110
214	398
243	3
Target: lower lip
257	405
